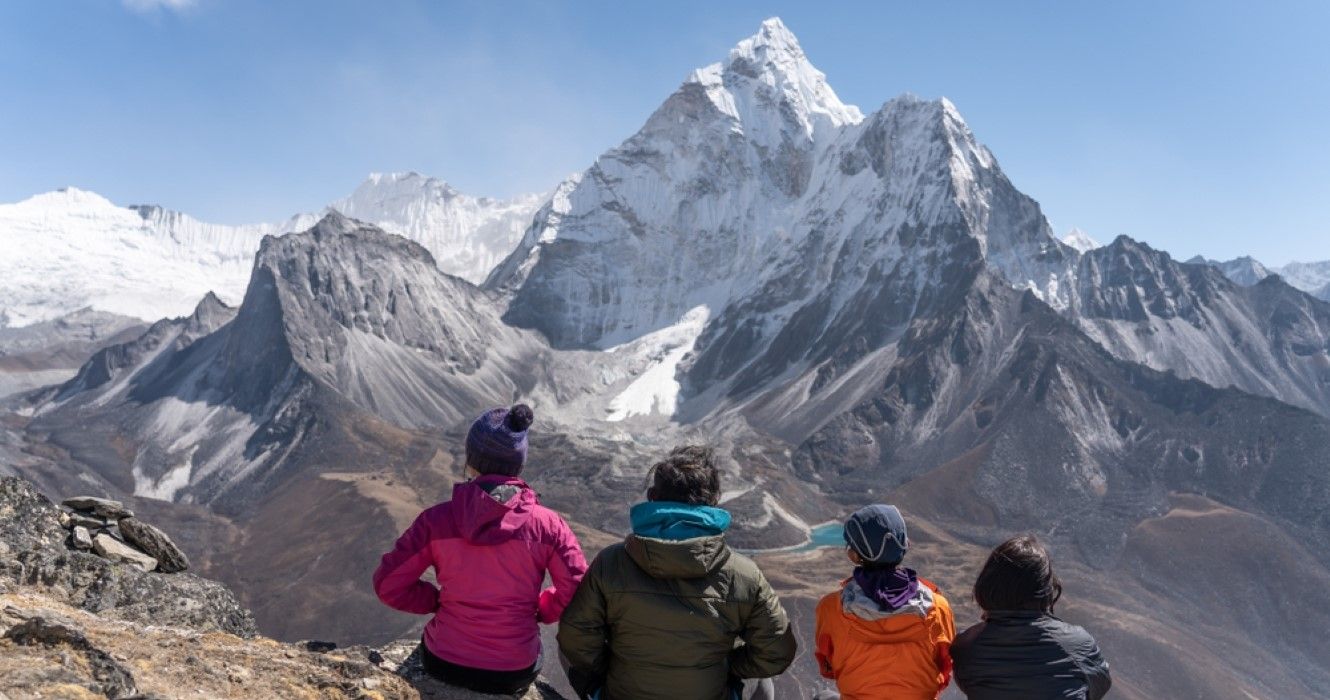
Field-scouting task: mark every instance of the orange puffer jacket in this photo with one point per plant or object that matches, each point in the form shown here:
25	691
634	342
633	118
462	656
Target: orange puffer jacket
904	654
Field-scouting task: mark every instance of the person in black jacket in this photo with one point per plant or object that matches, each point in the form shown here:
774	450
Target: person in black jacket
1021	651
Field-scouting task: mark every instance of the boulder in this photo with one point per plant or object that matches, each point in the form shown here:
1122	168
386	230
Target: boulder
105	507
81	538
92	522
154	542
115	550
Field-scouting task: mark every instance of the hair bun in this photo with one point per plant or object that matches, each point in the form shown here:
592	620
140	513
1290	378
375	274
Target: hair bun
520	417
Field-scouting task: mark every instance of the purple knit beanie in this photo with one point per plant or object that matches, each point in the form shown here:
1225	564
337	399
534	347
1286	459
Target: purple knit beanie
496	443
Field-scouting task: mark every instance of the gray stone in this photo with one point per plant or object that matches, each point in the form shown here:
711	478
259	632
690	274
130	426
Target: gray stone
115	550
82	538
65	520
170	559
92	522
105	507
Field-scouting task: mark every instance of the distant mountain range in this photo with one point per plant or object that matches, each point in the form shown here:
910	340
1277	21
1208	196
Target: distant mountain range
66	250
1313	278
853	307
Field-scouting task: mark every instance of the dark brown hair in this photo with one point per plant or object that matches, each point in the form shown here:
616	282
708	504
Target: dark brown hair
1018	576
687	475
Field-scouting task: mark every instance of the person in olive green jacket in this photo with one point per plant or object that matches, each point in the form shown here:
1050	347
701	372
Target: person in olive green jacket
672	612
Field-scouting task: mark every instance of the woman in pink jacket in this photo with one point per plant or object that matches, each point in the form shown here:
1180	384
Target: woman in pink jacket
490	547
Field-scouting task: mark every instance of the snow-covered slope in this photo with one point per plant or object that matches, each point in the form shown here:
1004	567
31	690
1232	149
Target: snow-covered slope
66	250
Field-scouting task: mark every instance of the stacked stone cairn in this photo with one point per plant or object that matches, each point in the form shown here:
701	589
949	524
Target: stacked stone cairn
110	530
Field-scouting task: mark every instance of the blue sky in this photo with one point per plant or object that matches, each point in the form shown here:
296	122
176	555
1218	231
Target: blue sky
1195	126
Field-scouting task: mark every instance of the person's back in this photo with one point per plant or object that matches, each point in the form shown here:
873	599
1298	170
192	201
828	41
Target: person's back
1028	654
1021	650
672	612
490	547
887	632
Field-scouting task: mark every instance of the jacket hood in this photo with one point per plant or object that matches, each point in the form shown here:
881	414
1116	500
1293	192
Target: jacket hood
670	559
670	520
873	625
490	509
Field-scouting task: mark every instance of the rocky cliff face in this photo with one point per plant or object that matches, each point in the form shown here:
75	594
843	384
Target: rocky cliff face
1268	338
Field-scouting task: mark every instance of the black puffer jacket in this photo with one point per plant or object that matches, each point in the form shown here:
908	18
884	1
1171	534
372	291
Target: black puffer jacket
1019	655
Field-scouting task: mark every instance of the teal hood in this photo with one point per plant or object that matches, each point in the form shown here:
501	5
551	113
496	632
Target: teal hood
671	520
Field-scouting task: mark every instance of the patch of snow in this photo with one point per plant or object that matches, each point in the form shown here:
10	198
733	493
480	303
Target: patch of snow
656	390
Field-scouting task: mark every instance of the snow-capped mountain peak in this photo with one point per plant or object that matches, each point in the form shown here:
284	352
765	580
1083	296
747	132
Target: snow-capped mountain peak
765	70
1080	240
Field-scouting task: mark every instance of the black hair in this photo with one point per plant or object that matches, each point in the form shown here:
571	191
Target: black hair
1018	576
687	475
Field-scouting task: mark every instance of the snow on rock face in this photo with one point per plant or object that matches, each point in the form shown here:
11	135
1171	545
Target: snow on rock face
70	249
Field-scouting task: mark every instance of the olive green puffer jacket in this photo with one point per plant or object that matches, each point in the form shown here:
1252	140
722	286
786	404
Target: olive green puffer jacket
675	620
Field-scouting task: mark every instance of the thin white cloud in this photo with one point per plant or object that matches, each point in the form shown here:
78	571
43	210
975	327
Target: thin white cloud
155	5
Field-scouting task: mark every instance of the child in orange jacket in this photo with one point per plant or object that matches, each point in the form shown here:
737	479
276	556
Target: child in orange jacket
887	632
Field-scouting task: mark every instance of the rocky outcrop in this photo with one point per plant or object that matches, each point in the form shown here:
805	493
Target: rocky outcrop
116	581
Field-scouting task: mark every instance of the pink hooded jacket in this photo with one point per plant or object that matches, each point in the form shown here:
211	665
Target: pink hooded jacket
490	554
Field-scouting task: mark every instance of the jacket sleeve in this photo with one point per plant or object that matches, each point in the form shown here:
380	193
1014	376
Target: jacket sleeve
945	636
826	647
567	566
1096	671
584	632
769	645
397	580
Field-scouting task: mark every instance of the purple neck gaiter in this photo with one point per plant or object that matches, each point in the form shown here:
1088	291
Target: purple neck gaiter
891	589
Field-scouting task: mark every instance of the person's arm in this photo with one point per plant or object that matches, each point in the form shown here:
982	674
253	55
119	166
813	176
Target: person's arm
584	633
826	647
567	566
769	645
397	580
1096	671
946	635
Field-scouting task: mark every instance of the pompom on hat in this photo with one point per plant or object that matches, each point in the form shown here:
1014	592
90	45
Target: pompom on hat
497	440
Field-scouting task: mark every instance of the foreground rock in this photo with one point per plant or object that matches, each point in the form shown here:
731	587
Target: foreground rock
104	507
154	543
50	650
115	550
38	557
